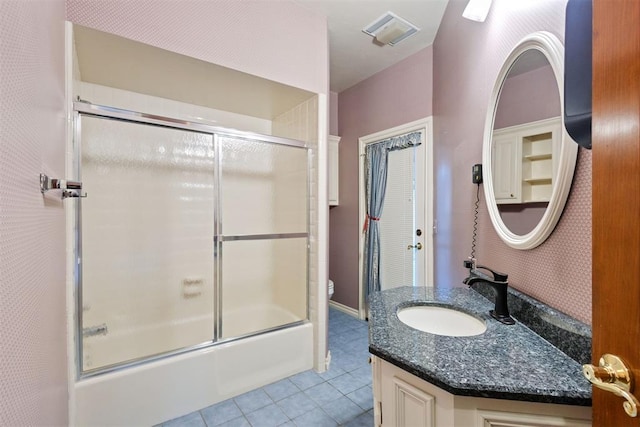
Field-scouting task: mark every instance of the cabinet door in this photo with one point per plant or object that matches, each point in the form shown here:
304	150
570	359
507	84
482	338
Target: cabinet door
413	407
404	403
506	169
514	419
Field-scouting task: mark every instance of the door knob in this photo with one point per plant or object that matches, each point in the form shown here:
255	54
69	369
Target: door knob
418	246
612	375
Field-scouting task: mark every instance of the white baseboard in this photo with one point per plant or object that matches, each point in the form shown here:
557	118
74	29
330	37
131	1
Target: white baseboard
345	309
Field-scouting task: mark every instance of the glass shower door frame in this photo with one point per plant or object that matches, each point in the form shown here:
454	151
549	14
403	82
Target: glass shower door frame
220	238
82	108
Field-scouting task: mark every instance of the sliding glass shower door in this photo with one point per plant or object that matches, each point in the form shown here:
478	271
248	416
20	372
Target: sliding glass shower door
263	235
147	227
188	236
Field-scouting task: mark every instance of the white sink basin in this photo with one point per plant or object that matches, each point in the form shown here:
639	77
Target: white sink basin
441	321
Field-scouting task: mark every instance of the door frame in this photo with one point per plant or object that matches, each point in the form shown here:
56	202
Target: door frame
424	125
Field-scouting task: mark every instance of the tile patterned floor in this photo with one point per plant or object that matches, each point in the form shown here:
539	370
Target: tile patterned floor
341	396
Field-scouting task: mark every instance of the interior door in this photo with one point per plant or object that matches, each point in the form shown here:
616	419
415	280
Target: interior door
402	238
415	243
616	197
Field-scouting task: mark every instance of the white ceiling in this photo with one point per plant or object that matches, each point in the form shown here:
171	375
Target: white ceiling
353	54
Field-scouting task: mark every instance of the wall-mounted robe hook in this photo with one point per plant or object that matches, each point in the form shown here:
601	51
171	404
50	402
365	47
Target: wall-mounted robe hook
69	188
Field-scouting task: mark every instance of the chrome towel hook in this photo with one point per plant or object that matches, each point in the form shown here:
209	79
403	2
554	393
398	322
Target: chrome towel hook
69	188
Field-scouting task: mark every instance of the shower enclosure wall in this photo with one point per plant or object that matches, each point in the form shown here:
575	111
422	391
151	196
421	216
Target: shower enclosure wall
192	241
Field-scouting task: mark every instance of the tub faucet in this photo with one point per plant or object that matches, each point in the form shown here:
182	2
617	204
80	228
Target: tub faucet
498	281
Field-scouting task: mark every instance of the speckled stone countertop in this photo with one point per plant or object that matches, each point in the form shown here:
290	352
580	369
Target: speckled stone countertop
505	362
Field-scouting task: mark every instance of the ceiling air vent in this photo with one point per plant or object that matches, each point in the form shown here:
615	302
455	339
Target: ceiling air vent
390	29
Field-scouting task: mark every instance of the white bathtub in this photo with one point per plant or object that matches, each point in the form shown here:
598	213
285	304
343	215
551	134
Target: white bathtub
158	391
122	344
244	320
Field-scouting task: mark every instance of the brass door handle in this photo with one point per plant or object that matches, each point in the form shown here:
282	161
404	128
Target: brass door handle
417	246
612	375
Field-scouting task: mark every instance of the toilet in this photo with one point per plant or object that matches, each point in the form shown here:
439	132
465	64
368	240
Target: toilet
330	289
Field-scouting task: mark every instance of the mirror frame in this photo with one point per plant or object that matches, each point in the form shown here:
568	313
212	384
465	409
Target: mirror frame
551	47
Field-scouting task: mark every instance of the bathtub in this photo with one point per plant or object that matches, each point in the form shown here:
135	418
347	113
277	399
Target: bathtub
126	343
243	320
121	274
157	391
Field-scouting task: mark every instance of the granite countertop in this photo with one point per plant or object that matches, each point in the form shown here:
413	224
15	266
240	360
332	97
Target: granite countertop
505	362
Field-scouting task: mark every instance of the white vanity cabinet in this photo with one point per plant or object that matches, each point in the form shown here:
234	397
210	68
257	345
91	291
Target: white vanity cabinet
334	181
525	159
404	400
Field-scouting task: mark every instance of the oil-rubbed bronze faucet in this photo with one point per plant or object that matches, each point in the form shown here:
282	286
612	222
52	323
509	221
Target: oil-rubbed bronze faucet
498	282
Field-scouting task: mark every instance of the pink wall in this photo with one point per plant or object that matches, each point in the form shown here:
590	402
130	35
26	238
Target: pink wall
280	41
33	348
521	218
467	58
528	97
397	95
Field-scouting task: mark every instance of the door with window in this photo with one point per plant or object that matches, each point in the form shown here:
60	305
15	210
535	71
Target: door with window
406	219
402	221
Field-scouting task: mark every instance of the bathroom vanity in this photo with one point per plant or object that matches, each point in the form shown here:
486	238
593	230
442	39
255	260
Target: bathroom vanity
505	376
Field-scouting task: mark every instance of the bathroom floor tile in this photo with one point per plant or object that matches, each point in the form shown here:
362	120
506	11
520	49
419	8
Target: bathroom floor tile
362	375
363	420
252	400
220	413
236	422
342	409
340	396
347	337
281	389
296	405
331	373
361	327
269	416
315	418
358	346
193	419
346	383
349	362
323	393
306	379
363	397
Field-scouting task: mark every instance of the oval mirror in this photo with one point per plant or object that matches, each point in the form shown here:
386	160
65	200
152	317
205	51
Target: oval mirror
528	157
